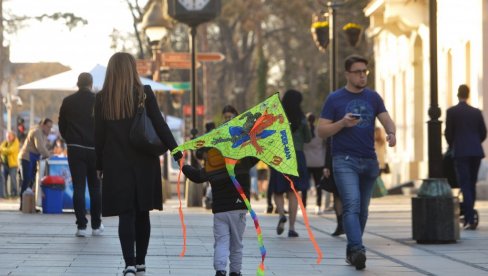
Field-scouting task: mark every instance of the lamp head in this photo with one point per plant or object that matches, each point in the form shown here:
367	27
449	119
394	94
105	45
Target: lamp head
155	22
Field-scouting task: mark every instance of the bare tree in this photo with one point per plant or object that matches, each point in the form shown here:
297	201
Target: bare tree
10	23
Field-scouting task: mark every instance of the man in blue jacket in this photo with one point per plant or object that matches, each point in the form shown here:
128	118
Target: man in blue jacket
465	131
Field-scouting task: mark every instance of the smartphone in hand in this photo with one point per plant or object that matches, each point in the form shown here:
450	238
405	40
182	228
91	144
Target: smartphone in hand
356	116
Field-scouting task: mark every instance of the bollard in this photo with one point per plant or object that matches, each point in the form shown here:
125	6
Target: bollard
435	213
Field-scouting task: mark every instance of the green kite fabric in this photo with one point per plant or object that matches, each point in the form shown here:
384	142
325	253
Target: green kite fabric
262	132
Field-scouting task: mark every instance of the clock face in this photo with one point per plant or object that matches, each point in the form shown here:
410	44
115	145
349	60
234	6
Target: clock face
193	5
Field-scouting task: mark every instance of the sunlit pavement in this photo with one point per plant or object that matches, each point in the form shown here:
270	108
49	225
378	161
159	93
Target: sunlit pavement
44	244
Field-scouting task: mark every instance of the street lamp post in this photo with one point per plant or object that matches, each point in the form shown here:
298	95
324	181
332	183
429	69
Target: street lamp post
156	28
331	6
434	125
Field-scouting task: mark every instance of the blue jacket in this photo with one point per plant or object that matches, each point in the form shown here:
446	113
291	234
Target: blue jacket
465	130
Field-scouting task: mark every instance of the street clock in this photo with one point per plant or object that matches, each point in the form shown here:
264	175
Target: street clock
193	12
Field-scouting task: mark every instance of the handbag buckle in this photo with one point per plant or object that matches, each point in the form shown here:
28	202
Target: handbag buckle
141	102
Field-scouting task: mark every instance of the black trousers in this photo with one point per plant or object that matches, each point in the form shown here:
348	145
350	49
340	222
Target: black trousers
82	167
134	229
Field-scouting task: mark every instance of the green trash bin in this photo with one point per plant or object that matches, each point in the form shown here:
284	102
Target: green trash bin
435	213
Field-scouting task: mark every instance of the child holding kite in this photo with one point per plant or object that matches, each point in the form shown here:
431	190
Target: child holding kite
228	207
262	132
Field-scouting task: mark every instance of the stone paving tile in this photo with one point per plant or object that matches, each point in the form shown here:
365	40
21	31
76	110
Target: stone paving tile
41	244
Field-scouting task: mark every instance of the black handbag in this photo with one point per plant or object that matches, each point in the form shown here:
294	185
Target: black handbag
142	134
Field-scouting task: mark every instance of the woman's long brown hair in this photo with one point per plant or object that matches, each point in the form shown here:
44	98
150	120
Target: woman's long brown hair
121	81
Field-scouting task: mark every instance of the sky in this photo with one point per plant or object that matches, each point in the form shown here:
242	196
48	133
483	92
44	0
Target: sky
52	41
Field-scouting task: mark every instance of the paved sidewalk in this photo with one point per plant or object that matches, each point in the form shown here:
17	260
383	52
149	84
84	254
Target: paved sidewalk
41	244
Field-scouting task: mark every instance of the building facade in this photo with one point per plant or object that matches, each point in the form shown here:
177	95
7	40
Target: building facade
400	31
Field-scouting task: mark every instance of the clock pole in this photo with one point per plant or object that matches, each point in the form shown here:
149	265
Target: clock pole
193	13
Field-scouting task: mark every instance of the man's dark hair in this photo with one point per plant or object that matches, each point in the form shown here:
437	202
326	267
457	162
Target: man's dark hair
84	80
463	92
209	126
45	121
230	109
350	60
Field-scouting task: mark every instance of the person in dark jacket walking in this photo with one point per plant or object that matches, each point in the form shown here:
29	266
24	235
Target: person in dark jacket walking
227	205
131	178
291	101
77	125
465	131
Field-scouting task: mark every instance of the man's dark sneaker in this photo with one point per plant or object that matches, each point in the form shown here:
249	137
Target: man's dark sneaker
292	234
235	274
269	210
220	273
281	225
357	259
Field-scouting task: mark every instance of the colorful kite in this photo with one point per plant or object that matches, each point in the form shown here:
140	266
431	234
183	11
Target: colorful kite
262	132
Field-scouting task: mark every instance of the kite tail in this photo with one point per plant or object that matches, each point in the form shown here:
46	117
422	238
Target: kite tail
230	164
180	209
305	219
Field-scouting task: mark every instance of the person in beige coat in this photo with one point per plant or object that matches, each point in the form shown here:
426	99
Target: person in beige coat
33	149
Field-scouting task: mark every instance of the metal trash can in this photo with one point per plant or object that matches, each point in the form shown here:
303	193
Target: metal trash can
52	194
435	213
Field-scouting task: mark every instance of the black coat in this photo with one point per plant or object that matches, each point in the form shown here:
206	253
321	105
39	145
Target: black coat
76	121
130	176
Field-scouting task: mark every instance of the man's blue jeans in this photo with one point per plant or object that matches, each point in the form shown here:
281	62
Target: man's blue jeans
355	178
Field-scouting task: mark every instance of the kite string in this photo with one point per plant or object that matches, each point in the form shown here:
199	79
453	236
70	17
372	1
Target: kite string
230	164
305	219
180	209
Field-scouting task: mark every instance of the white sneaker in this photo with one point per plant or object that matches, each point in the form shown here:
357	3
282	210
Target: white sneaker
141	270
130	271
318	211
98	231
80	233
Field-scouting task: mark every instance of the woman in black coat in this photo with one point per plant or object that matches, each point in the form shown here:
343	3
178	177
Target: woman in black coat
131	178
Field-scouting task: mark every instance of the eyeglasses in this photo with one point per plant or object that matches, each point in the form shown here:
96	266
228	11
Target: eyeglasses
359	72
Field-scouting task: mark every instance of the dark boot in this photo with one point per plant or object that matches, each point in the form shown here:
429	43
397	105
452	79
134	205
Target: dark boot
339	230
357	258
